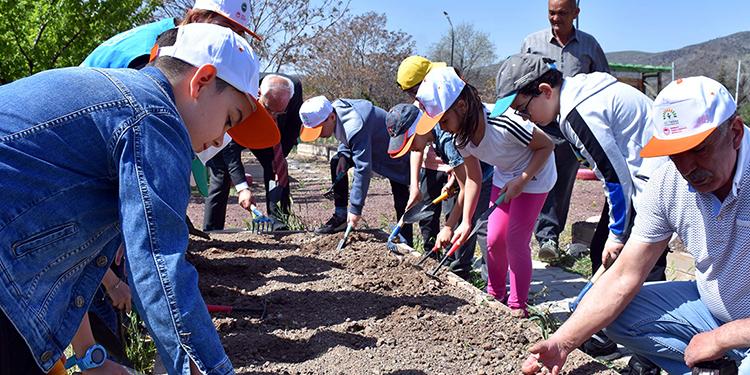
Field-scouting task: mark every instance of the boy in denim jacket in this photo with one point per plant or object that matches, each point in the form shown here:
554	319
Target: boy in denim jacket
87	155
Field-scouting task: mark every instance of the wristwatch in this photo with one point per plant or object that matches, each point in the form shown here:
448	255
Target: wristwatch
94	357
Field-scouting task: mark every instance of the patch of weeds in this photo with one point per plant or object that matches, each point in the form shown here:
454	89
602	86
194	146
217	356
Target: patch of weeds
139	347
544	319
475	278
581	266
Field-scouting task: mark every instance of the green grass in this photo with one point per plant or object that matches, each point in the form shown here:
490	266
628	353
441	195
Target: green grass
139	347
544	319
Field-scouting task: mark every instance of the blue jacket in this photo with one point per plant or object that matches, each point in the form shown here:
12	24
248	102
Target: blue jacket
86	155
361	131
121	50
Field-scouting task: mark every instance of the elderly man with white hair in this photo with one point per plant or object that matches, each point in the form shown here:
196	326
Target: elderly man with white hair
281	95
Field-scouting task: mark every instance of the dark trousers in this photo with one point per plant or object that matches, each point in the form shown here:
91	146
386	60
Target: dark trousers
554	213
464	255
431	183
220	182
600	238
15	356
400	195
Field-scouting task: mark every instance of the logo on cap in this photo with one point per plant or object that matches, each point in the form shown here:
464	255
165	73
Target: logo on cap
244	7
669	116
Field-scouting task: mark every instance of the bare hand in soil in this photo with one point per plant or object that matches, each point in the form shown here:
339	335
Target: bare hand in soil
611	252
702	347
353	219
108	368
245	198
545	355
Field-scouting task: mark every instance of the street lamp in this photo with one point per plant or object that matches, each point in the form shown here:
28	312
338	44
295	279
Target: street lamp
452	35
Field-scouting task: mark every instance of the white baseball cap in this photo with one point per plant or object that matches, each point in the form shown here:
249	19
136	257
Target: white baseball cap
685	113
312	113
236	11
439	90
200	44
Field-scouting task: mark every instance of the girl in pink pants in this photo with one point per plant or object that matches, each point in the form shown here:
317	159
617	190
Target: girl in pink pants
524	172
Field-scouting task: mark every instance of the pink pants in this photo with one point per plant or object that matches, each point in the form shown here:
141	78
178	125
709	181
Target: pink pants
508	237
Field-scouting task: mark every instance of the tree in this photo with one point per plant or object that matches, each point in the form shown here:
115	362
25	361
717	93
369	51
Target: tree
41	35
472	51
357	58
285	25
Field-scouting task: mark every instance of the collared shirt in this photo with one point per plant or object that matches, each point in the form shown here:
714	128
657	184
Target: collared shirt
582	54
716	233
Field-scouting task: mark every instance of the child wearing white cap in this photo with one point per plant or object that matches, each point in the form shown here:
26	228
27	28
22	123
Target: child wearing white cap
701	195
91	154
524	172
359	126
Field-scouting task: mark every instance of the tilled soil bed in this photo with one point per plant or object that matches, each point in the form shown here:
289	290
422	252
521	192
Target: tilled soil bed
359	311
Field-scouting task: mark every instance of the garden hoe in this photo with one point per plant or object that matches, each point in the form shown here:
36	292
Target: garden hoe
346	235
482	221
261	223
415	213
597	275
330	194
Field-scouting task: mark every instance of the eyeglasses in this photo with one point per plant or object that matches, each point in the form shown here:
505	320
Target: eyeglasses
523	112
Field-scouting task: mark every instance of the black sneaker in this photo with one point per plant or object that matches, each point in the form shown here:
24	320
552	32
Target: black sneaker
639	365
600	346
334	225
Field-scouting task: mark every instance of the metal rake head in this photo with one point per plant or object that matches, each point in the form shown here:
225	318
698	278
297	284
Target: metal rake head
261	223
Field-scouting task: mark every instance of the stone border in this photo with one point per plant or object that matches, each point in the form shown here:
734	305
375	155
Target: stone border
317	151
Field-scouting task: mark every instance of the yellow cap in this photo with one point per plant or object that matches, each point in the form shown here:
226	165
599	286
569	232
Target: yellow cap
413	69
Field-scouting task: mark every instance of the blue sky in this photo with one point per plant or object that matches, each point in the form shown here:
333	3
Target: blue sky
650	26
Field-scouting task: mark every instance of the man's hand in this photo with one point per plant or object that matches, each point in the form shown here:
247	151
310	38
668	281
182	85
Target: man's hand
120	295
443	238
353	219
461	233
547	357
245	198
611	252
703	347
109	367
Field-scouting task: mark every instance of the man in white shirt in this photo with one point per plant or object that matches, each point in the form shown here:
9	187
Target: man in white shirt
703	196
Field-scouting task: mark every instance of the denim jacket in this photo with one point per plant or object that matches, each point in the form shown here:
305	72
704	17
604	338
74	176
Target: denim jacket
85	155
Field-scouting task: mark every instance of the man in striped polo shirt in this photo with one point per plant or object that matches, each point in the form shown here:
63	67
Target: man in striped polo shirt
703	196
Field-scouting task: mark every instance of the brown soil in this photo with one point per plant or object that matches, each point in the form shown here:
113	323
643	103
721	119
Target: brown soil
359	311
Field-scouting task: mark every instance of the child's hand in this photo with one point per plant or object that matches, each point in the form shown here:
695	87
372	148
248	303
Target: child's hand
443	238
353	219
414	196
514	188
610	253
120	295
461	233
341	166
109	367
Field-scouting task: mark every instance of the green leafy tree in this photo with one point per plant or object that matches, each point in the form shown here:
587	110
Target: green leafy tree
38	35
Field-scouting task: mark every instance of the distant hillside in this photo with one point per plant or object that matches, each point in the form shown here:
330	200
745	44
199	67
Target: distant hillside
707	58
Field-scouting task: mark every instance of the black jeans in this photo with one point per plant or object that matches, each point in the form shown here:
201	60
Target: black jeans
15	355
600	238
400	195
430	185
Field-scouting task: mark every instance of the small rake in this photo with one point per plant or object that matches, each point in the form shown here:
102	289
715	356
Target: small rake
482	220
261	223
330	194
416	213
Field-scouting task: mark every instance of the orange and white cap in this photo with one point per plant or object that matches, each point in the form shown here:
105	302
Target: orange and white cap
236	11
685	113
312	113
439	90
201	44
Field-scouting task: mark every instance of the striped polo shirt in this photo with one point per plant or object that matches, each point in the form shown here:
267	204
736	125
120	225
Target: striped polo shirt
717	234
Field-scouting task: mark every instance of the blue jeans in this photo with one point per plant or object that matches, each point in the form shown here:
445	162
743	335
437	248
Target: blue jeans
660	322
